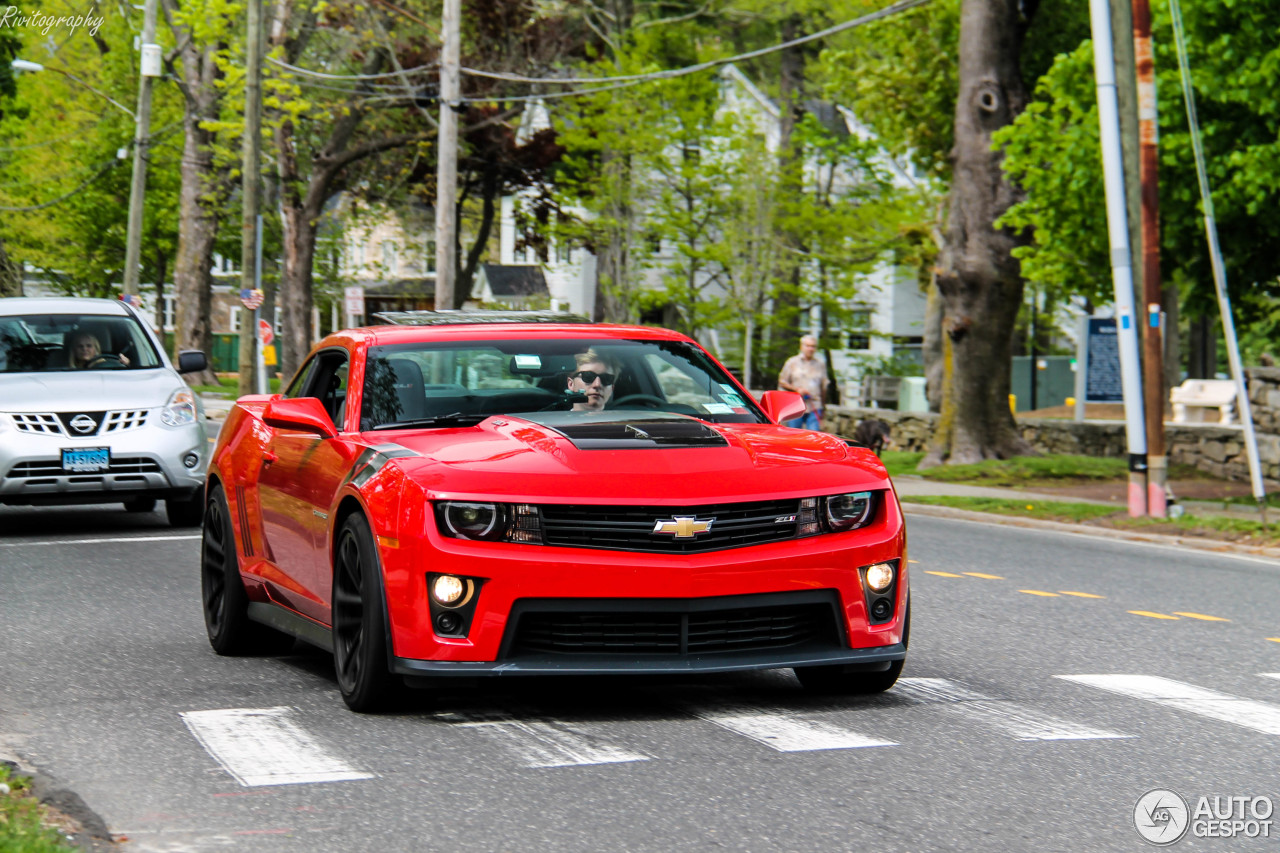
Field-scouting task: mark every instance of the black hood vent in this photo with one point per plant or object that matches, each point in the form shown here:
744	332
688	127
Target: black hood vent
630	431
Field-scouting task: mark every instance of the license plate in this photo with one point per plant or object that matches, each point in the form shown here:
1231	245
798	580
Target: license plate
86	459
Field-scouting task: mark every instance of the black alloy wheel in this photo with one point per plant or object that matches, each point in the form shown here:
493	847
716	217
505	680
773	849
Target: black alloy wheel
222	590
225	602
359	621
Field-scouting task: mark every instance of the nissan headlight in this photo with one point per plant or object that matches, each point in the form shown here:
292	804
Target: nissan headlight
180	410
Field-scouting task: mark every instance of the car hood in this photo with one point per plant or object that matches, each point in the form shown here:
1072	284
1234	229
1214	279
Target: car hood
598	460
87	390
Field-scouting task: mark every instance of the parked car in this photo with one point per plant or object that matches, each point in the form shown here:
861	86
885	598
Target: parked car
92	410
455	496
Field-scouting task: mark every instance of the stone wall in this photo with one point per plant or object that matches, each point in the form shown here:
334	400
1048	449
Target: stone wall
1218	451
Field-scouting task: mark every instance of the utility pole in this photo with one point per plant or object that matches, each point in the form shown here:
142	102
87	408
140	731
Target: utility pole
149	68
1153	342
249	182
447	155
1121	256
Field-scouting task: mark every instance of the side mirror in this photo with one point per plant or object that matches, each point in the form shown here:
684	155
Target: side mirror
782	405
301	413
192	361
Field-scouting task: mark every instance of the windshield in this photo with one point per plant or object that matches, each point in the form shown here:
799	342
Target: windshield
427	384
48	343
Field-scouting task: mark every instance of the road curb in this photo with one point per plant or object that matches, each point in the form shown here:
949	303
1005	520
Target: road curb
1211	546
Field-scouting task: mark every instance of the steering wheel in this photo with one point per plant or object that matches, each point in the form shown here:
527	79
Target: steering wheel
654	402
107	359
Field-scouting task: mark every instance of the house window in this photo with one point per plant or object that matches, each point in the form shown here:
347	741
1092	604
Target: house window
169	313
522	253
860	329
430	255
563	252
279	326
234	325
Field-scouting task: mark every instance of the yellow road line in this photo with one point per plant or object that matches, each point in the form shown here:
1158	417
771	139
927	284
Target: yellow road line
1274	639
1201	616
1153	615
987	577
1080	594
912	561
943	574
1039	592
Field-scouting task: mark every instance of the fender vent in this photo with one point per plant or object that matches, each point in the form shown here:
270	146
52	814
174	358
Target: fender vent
246	532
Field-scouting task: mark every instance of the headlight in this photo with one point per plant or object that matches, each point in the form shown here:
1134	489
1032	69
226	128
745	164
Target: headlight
849	511
489	522
180	410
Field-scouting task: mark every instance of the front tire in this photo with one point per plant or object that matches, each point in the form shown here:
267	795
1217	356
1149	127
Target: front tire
359	621
225	602
836	680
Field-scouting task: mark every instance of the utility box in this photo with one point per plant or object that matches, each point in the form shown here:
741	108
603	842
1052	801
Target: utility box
911	395
1055	381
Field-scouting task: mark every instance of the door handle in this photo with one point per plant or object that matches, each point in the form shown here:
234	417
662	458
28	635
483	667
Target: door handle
268	457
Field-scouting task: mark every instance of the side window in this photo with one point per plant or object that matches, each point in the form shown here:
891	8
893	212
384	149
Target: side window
300	381
325	378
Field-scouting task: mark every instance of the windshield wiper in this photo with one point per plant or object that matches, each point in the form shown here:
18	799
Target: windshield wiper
452	419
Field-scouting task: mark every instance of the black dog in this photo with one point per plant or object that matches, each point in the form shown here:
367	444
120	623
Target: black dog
873	434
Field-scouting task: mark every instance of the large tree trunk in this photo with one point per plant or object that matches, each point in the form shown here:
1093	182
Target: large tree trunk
198	208
978	278
466	277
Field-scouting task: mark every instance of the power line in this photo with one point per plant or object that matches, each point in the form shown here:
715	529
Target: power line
110	164
901	6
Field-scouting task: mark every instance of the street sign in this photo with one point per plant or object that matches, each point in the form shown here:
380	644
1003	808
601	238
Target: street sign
252	299
265	333
354	299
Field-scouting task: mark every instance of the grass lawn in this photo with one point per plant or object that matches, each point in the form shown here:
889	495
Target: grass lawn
22	819
1244	531
1025	471
227	386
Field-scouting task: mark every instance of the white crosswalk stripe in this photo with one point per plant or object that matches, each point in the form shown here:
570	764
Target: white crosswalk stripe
264	746
780	729
544	742
1248	713
1011	718
1275	675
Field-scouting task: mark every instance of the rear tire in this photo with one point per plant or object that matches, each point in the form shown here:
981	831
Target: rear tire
188	513
223	597
140	504
359	621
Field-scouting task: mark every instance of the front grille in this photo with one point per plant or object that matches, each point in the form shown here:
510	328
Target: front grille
42	423
125	419
647	632
53	468
48	423
631	528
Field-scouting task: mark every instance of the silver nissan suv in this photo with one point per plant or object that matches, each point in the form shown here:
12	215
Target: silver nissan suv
92	410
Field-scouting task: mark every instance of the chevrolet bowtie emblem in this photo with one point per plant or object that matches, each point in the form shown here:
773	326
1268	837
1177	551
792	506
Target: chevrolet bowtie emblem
683	526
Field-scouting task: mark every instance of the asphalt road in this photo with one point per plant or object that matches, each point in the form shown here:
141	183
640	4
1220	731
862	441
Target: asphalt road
1053	680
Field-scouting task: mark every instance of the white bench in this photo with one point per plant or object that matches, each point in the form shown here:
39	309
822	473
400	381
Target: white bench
1194	396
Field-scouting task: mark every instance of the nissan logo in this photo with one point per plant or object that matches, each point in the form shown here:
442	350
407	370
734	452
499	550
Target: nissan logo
83	424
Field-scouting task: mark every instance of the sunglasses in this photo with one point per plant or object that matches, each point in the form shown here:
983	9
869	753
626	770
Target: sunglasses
590	376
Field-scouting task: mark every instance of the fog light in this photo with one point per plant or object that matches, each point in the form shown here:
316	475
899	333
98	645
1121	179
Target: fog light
880	576
191	460
881	609
448	590
448	623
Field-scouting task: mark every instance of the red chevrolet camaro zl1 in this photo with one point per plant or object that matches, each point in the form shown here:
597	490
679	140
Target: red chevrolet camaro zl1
453	496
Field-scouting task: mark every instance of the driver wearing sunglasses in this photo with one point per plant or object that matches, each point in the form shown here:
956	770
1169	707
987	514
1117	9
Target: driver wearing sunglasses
594	376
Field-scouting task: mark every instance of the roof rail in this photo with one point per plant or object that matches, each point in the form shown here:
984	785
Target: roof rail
467	316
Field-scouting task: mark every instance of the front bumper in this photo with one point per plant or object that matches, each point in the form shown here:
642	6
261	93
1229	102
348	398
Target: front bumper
146	462
579	590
